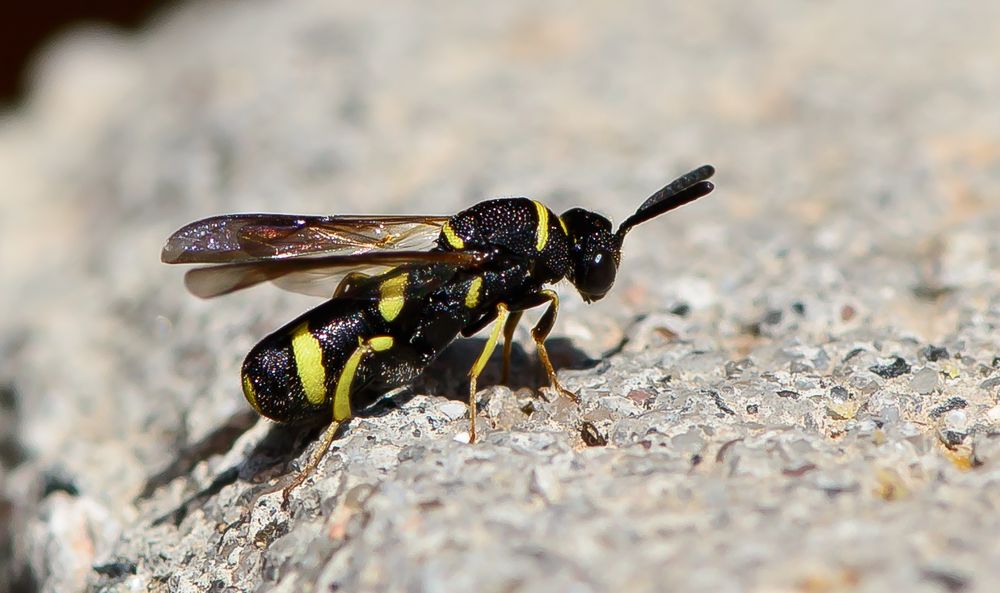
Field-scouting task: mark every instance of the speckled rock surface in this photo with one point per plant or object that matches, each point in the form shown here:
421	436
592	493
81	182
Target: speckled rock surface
793	387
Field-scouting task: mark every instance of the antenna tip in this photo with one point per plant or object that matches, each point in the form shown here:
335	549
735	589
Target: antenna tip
702	173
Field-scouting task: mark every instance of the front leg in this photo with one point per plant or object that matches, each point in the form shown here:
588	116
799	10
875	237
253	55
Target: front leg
540	332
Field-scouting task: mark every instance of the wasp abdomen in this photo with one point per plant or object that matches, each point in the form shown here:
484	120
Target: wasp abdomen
295	372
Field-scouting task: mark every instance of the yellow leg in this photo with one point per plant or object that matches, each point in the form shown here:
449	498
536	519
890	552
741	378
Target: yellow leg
317	455
341	406
508	343
540	332
477	367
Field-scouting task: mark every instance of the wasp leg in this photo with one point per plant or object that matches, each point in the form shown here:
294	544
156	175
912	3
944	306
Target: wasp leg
477	367
508	343
540	332
341	406
317	455
349	281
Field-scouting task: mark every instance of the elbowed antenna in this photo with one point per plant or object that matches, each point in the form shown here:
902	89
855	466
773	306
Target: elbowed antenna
680	191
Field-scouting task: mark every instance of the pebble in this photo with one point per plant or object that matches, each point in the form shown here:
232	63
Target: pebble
454	410
925	381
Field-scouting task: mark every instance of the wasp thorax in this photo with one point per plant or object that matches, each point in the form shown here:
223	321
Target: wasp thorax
594	253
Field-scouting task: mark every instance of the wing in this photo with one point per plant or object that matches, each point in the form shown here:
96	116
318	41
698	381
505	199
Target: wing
245	238
319	276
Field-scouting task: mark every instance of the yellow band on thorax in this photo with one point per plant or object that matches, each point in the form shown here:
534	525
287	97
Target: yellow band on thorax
542	232
472	295
452	237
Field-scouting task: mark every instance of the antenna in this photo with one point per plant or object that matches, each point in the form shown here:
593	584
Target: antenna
686	188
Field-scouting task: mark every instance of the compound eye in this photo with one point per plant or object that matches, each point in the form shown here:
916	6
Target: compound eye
597	275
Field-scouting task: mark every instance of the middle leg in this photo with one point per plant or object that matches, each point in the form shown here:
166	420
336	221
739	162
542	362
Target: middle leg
477	367
508	343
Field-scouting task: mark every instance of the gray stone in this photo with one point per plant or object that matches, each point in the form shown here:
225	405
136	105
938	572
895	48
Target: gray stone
925	381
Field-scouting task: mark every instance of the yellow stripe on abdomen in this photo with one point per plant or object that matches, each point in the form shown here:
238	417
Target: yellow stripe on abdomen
392	295
308	354
542	232
251	394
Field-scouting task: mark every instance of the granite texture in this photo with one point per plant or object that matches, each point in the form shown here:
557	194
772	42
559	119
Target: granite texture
793	386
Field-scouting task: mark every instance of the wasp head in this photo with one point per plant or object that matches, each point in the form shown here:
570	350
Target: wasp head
596	251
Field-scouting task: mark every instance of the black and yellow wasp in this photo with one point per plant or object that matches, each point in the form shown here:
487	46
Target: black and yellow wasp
402	288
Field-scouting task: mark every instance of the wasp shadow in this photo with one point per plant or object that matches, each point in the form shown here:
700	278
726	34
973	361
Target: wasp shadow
284	443
449	374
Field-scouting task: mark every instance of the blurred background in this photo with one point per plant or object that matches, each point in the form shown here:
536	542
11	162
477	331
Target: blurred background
857	145
28	26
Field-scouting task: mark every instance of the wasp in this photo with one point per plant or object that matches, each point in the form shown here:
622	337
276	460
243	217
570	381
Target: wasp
401	288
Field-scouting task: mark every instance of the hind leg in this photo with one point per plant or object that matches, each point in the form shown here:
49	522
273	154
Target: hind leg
341	406
480	364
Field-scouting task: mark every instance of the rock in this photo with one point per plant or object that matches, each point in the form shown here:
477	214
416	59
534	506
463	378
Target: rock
759	393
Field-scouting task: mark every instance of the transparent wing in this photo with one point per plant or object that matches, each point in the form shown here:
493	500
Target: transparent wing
318	276
245	238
